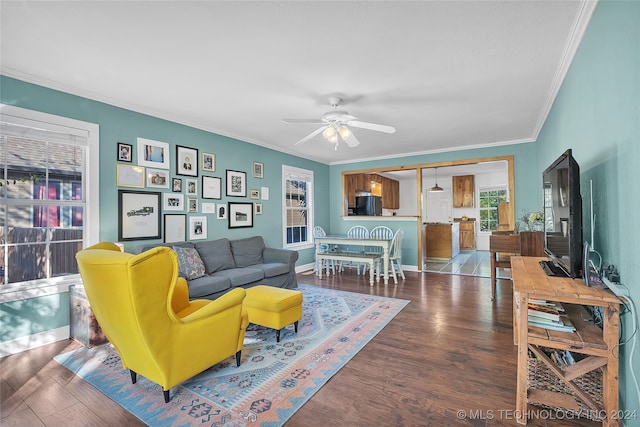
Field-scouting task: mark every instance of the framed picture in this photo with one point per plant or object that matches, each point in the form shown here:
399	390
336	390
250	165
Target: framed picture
192	204
240	215
209	208
153	154
254	194
192	187
177	185
125	152
257	208
258	170
173	202
138	215
221	211
129	176
236	183
211	187
175	228
197	227
208	162
157	178
186	161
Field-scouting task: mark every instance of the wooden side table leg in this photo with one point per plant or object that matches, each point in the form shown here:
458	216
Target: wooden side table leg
523	347
610	371
493	275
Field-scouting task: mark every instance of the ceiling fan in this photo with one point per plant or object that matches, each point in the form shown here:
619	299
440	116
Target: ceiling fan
335	126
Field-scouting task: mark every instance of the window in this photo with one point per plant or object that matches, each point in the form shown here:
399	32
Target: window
44	202
298	206
489	200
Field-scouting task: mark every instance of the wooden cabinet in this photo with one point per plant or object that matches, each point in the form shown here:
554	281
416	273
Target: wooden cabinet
463	191
467	233
375	184
543	382
442	240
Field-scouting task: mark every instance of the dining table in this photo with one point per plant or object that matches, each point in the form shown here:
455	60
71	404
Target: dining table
344	240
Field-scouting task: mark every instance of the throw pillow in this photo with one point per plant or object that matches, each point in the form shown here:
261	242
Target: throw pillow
190	263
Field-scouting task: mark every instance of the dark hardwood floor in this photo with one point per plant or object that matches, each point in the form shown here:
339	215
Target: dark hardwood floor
447	359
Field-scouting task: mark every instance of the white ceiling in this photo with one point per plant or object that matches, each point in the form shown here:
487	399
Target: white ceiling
446	74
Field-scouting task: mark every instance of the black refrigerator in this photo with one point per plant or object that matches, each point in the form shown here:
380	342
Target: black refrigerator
368	205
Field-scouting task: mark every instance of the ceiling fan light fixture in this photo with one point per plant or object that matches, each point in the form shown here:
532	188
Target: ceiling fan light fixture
344	132
329	133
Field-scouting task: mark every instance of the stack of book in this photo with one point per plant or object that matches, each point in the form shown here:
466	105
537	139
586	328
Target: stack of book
548	315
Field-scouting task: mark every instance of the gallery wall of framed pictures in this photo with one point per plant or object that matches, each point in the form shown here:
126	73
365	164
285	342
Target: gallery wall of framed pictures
174	202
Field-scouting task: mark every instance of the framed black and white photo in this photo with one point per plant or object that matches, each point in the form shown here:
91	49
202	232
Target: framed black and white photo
211	187
258	170
192	205
175	228
197	227
192	187
157	178
153	154
221	211
186	161
208	162
138	215
240	215
177	185
125	152
236	183
173	202
257	208
254	194
129	176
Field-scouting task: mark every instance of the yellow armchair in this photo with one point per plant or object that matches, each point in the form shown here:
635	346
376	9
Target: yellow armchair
144	310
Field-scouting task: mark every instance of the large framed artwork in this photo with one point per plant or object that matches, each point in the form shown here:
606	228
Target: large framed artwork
153	154
186	161
175	228
240	215
211	187
236	183
138	215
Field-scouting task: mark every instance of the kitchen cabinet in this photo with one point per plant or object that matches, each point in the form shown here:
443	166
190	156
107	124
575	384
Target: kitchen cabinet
463	191
467	233
442	240
375	184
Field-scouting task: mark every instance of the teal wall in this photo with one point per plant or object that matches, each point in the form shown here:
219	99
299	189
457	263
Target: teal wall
597	114
31	316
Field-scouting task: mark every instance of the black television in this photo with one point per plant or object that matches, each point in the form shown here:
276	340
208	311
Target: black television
563	217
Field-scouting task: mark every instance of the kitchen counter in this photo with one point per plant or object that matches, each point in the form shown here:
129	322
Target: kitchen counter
441	239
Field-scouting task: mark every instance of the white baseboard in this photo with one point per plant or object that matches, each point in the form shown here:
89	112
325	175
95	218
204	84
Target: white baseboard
32	341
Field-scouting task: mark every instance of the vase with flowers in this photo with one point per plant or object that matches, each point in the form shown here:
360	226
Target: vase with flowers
533	221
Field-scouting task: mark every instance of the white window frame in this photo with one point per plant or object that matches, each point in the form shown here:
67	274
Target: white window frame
91	189
485	189
288	171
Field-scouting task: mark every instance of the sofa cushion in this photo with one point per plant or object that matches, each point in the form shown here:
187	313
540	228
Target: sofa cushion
240	276
216	255
247	252
273	269
190	263
207	285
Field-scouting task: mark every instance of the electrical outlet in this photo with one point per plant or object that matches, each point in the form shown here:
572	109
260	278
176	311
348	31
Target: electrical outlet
618	289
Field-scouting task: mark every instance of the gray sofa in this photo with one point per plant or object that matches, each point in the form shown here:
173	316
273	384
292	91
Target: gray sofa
242	263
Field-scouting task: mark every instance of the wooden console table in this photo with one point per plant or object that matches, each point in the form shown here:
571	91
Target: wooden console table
599	346
504	244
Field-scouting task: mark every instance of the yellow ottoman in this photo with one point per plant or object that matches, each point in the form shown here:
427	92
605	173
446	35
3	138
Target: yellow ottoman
273	307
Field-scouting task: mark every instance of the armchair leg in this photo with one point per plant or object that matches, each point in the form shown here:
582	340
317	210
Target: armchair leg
166	396
295	326
238	357
278	335
134	376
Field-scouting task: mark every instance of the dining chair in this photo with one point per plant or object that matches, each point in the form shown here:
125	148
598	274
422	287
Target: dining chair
395	257
327	263
359	232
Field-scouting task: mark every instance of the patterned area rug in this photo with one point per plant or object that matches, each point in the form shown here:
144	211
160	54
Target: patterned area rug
274	379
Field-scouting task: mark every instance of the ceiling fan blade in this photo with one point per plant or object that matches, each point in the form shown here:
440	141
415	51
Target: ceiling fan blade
304	121
311	135
352	141
371	126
